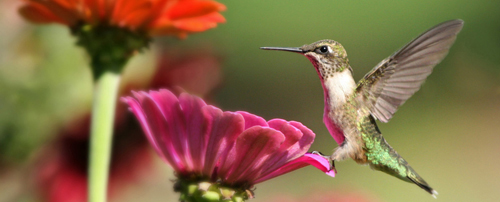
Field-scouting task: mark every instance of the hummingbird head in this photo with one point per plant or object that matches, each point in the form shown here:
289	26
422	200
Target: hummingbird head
327	56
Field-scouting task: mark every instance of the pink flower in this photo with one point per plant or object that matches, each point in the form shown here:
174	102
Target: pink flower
238	149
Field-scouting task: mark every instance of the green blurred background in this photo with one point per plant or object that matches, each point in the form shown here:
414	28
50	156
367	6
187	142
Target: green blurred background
449	131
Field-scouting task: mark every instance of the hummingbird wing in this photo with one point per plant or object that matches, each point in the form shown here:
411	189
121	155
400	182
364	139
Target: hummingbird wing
398	77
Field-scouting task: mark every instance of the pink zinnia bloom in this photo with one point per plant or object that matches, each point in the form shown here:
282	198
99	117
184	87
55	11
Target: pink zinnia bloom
239	149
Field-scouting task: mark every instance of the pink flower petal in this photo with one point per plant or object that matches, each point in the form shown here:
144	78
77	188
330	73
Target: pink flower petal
135	108
291	133
150	123
307	138
289	150
171	121
223	130
295	150
252	148
196	130
252	120
308	159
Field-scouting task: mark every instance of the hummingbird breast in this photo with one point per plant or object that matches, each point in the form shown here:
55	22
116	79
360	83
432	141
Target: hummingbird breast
341	115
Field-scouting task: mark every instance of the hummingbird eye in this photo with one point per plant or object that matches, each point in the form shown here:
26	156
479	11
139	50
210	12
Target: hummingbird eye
324	49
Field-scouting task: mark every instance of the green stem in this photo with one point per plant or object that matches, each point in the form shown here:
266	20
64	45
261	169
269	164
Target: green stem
103	114
109	48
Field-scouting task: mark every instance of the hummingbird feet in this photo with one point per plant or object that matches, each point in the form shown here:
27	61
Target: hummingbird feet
332	162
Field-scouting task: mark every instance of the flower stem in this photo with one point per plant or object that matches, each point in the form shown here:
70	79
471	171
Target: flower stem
103	114
109	48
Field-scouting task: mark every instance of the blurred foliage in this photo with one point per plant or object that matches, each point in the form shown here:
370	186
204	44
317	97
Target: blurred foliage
448	131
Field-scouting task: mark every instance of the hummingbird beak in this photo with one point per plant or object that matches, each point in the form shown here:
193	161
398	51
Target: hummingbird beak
296	50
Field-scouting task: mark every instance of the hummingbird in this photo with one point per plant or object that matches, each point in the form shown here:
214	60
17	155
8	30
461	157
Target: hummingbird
351	109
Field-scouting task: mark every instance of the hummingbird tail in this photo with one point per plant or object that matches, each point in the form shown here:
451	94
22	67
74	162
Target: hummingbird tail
415	178
381	156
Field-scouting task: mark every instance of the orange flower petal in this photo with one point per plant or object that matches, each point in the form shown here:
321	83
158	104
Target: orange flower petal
131	14
96	10
189	9
157	17
194	25
63	9
136	18
199	24
214	17
37	13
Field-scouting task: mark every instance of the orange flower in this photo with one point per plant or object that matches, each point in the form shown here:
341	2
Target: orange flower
156	17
